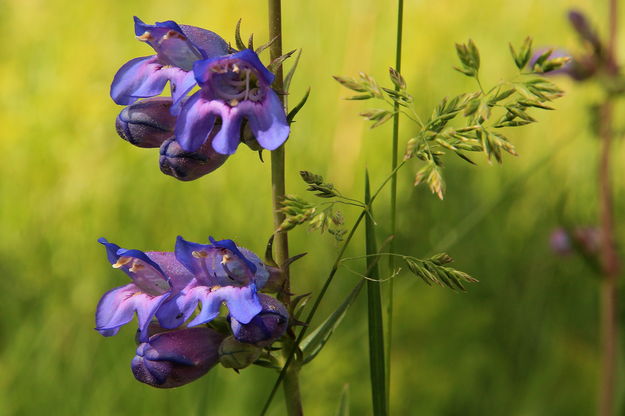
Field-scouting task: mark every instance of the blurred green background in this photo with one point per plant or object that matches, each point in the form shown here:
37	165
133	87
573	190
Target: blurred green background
521	342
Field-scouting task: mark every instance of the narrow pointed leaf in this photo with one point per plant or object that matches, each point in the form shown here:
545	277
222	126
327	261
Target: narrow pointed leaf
316	340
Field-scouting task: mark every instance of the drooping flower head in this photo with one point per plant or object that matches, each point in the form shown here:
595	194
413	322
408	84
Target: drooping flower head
234	88
222	273
155	276
177	48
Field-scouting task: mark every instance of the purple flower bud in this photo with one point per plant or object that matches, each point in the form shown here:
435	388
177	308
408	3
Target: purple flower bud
266	327
188	166
560	242
146	123
237	355
172	359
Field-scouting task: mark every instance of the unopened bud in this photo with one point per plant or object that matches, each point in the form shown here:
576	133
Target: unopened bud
172	359
146	123
237	355
188	166
266	327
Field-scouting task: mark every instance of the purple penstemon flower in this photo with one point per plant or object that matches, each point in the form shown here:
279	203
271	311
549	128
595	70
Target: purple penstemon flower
233	88
223	273
177	48
155	277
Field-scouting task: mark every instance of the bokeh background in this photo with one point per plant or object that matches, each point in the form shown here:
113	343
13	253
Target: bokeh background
521	342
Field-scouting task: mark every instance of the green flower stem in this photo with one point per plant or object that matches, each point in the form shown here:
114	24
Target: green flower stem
391	263
335	266
609	255
278	190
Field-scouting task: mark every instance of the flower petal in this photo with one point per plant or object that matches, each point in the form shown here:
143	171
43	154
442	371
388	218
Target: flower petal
228	138
143	77
195	122
267	120
117	307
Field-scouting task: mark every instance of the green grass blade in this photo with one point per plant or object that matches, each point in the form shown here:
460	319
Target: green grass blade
315	341
374	306
343	409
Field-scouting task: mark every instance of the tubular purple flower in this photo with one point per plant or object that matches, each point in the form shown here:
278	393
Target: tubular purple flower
172	359
146	123
155	276
223	273
234	88
177	48
266	327
188	166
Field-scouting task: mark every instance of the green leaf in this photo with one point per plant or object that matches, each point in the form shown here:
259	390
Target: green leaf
264	46
343	409
277	63
237	36
289	76
316	340
291	116
375	320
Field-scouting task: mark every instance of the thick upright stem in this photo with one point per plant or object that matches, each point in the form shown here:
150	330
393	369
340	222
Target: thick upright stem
278	189
395	148
610	269
609	255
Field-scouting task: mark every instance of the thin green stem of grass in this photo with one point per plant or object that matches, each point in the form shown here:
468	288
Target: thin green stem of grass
394	150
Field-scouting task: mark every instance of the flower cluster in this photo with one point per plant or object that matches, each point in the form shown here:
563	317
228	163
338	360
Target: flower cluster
189	285
196	133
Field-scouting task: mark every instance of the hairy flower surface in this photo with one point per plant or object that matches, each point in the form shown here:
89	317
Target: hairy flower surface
234	88
155	276
177	48
172	359
222	273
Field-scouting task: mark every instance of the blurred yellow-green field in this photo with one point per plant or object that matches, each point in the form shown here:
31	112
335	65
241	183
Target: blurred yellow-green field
523	341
